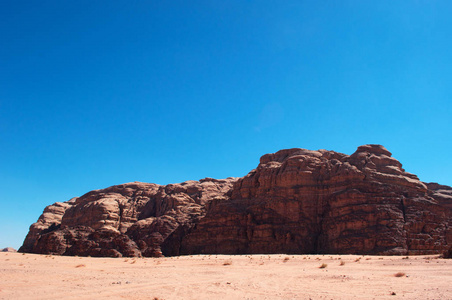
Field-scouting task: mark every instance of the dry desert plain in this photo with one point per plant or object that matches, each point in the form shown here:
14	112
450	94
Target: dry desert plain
32	276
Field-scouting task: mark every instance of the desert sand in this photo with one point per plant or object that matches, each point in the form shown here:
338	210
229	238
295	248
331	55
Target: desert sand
31	276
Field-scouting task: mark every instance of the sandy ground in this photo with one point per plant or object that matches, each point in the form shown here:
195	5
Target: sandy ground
29	276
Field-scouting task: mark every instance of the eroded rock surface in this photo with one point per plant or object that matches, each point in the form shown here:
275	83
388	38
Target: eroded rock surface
295	201
131	219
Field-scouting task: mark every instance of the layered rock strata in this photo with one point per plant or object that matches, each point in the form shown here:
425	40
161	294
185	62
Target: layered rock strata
296	201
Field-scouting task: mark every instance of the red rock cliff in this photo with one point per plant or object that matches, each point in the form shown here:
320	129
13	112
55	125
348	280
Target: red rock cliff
295	201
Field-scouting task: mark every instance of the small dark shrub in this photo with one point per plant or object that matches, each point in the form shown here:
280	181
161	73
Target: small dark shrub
227	263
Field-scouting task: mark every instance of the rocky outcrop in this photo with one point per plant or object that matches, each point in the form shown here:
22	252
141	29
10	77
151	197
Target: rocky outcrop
443	195
131	219
8	249
295	201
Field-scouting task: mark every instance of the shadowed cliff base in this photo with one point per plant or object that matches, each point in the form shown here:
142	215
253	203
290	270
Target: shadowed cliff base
296	201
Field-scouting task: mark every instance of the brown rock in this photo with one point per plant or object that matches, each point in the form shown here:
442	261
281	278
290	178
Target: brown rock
131	219
295	201
8	249
448	253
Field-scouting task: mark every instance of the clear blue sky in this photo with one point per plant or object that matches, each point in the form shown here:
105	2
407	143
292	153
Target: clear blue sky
97	93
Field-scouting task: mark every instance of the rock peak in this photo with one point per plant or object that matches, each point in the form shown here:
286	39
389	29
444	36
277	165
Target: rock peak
374	149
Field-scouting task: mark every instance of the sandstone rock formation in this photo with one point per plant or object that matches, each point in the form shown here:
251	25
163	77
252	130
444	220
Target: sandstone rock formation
447	253
8	249
295	201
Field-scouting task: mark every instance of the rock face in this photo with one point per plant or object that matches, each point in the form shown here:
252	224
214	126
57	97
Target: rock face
296	201
132	219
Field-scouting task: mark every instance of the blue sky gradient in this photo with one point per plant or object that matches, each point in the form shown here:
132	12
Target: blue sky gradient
97	93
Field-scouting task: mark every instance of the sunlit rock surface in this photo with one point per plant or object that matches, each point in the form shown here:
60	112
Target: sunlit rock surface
295	201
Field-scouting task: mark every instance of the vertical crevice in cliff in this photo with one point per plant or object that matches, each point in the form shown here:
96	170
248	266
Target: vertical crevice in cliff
323	209
121	213
403	209
365	166
316	241
405	231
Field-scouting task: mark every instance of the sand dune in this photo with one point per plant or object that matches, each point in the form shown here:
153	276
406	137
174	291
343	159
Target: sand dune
29	276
